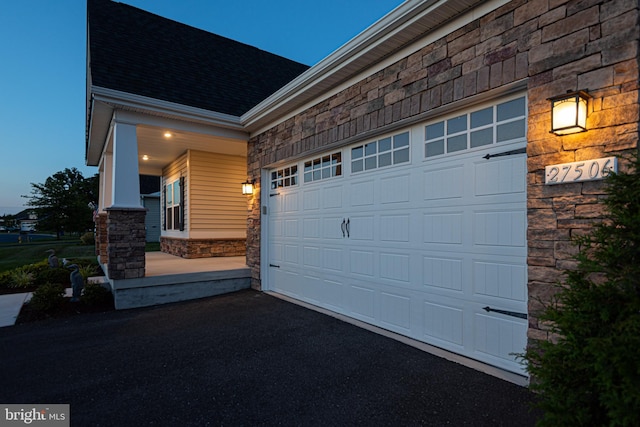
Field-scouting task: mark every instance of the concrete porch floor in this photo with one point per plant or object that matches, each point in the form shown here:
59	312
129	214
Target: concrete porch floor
169	278
161	264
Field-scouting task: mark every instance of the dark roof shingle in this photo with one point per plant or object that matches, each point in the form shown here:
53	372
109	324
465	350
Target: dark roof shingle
137	52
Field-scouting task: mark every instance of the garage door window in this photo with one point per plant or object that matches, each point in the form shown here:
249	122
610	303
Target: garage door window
323	167
285	177
378	154
499	123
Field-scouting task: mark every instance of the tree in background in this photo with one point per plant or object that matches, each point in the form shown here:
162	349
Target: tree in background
61	202
590	373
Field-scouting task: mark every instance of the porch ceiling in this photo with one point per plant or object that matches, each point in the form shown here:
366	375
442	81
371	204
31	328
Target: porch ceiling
162	150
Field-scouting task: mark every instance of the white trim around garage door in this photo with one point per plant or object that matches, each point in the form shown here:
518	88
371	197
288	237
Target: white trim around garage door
416	241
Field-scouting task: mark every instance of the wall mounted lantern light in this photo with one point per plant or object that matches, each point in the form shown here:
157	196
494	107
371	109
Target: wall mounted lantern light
247	188
569	112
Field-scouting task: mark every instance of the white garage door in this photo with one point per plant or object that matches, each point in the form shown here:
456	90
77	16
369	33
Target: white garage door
421	232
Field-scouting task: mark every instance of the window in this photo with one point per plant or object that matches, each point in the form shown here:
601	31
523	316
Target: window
323	167
378	154
173	205
499	123
285	177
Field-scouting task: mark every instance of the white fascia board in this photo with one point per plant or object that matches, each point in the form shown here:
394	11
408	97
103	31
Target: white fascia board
400	18
166	108
336	60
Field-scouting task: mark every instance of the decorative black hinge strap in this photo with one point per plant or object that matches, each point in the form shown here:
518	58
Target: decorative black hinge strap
508	313
506	153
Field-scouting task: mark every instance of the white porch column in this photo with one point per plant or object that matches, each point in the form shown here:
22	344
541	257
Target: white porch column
106	179
125	179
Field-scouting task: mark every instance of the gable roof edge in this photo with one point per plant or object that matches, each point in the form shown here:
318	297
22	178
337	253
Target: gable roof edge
402	26
159	106
105	101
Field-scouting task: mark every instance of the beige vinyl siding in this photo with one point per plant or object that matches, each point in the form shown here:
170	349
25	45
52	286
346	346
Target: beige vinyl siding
217	207
172	172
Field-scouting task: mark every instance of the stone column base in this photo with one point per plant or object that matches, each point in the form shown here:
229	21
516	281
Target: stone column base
125	243
101	237
203	248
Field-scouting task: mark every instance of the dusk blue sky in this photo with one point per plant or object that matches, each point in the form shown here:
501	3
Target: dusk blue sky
42	67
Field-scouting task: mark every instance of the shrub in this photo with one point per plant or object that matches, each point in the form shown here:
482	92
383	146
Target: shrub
96	295
58	275
21	278
5	279
88	238
87	270
590	375
48	298
36	267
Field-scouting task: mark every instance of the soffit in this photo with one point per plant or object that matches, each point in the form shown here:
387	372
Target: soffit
409	22
163	150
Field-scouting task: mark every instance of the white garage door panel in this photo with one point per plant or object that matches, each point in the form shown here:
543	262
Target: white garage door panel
311	200
361	193
332	197
498	338
291	253
443	183
500	228
311	257
394	228
504	175
444	323
287	282
496	279
361	227
331	227
443	273
361	303
443	228
395	266
311	227
333	259
395	312
395	189
362	262
427	245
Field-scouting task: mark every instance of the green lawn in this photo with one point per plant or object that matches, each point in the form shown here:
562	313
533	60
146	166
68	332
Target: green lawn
15	255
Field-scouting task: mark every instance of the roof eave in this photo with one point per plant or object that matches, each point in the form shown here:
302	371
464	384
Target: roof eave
405	24
105	101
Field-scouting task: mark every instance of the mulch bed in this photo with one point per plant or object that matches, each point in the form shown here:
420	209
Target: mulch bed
67	309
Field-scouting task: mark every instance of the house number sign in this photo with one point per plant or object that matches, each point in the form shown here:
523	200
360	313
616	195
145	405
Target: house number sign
587	170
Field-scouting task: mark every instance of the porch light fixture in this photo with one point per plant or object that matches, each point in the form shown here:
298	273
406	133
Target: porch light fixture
247	188
569	112
145	157
167	134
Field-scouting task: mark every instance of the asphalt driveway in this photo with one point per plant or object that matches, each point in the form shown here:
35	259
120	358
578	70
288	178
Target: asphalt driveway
243	359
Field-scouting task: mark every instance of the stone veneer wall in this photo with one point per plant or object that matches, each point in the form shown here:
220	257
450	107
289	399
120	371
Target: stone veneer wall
590	45
556	45
125	243
203	248
101	237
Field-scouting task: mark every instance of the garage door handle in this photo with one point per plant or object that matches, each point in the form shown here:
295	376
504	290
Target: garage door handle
348	227
343	226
